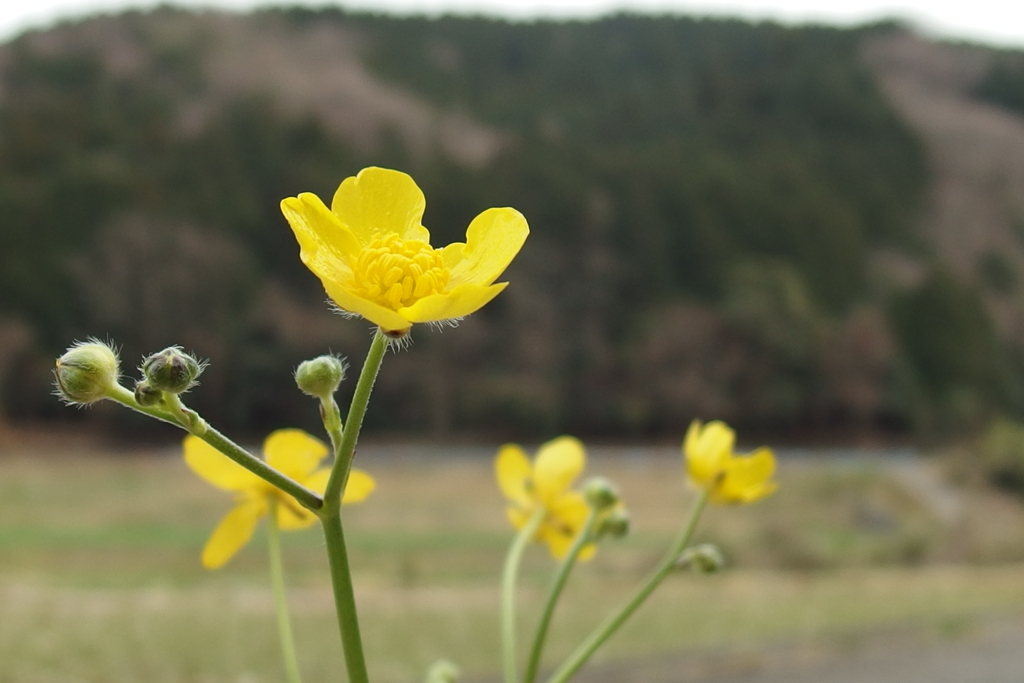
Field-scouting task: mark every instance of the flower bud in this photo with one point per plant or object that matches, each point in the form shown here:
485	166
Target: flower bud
614	524
87	372
146	394
705	558
172	370
600	493
443	671
321	376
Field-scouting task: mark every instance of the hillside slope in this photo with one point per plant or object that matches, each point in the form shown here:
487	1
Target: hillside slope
976	150
728	219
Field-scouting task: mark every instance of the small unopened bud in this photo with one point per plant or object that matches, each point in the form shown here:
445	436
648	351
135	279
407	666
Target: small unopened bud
705	558
443	671
320	376
172	370
614	524
146	394
87	372
600	493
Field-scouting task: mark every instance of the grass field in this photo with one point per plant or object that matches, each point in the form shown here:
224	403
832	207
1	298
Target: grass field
100	579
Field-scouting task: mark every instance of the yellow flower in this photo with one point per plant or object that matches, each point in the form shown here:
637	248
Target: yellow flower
290	451
545	484
727	477
375	260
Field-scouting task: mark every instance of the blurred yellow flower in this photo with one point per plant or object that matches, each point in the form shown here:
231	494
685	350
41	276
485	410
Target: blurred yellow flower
727	477
375	260
290	451
545	484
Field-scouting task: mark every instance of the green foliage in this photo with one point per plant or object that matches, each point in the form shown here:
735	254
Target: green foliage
951	342
998	272
710	138
1003	83
654	157
944	328
1002	454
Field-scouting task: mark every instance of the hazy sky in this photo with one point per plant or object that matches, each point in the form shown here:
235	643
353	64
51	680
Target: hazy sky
992	21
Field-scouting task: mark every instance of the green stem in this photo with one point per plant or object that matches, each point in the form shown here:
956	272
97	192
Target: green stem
308	499
331	416
344	442
190	421
346	446
284	626
127	398
508	593
556	591
610	625
344	598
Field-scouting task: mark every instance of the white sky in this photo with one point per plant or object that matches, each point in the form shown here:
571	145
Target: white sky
998	22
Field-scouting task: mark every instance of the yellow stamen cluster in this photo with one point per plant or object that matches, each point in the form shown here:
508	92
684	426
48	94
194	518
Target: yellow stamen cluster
397	273
373	255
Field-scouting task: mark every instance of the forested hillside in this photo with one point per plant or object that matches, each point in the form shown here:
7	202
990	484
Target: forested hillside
715	210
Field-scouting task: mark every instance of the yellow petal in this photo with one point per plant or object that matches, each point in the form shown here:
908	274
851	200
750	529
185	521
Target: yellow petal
557	541
747	478
557	464
692	438
327	246
716	437
294	453
707	450
292	516
233	532
317	481
456	303
217	468
492	241
567	515
569	511
380	200
359	486
513	471
387	319
517	516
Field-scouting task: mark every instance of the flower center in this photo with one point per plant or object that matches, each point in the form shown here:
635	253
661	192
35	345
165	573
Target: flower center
396	273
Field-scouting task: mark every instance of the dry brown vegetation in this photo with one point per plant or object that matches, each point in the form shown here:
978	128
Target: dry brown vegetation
976	151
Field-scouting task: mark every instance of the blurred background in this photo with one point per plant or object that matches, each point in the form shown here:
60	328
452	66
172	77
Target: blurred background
807	231
814	232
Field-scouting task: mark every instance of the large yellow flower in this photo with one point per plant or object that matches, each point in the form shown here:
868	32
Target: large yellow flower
545	484
374	257
290	451
727	477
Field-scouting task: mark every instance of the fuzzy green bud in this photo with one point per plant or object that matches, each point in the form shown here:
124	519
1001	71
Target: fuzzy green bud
320	376
146	394
172	370
705	558
600	493
87	372
614	524
443	671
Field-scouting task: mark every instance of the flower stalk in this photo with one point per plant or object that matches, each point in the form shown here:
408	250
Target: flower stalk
561	576
603	632
344	598
508	593
344	448
284	625
343	441
192	423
